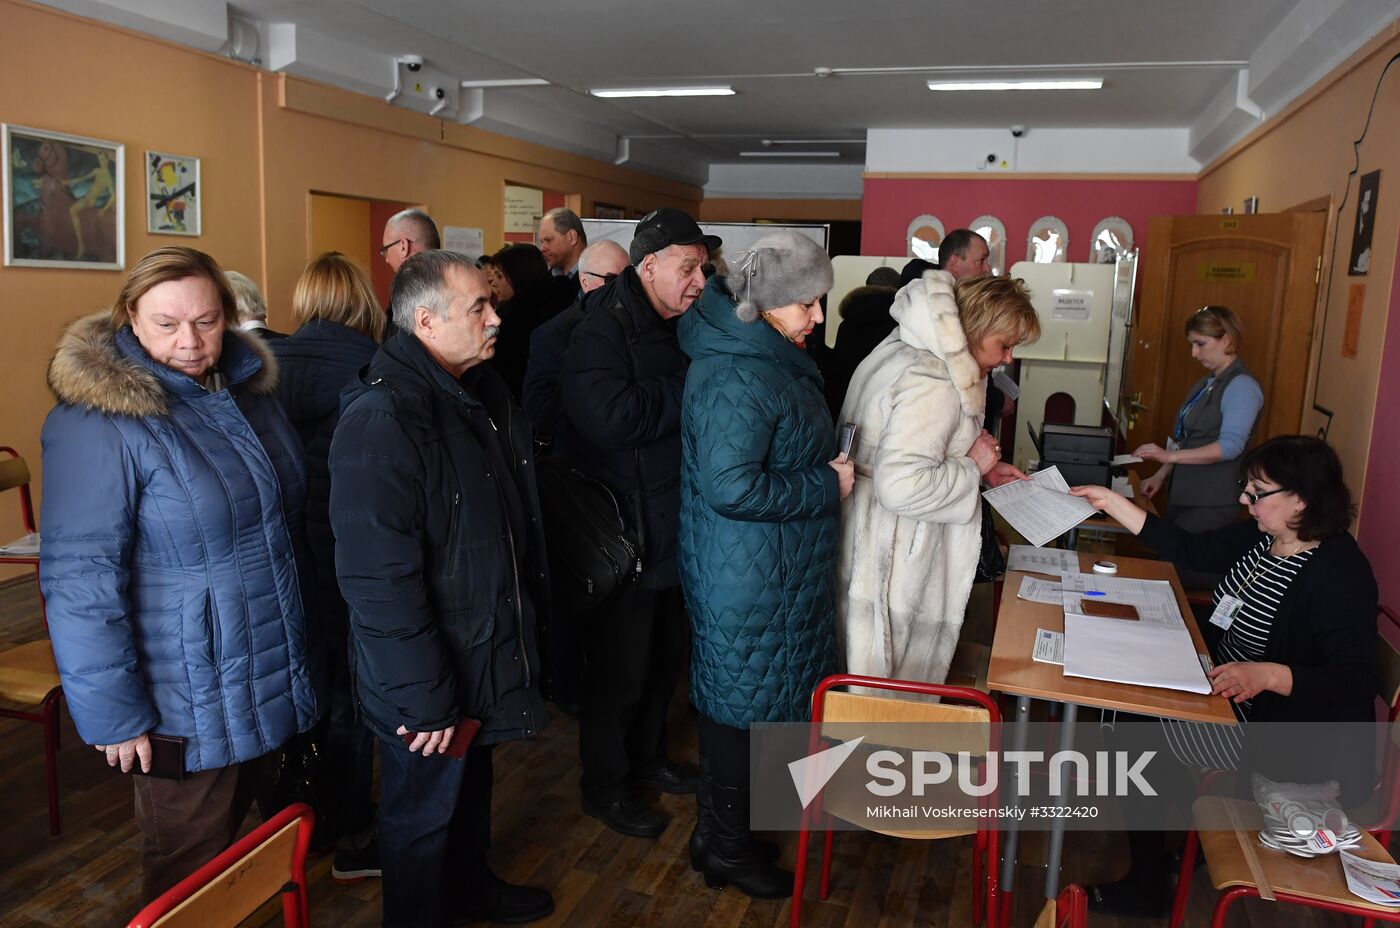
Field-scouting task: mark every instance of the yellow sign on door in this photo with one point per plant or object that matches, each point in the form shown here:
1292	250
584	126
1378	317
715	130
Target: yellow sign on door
1227	273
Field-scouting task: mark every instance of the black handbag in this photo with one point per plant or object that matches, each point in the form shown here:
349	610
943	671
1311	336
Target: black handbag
591	550
991	562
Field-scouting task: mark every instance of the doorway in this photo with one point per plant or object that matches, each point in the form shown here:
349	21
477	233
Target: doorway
353	226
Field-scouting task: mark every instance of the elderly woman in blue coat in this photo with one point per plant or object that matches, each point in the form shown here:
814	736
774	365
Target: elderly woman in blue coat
761	491
173	493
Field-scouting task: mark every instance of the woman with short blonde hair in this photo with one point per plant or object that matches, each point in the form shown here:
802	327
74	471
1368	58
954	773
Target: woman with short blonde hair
336	289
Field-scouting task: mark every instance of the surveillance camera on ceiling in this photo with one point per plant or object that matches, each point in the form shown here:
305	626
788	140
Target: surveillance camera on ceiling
1017	131
413	62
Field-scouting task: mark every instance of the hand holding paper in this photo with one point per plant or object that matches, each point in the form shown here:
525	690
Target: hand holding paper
1040	508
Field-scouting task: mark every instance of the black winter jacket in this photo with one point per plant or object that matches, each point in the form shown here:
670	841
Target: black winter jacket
316	363
622	381
424	476
520	316
865	322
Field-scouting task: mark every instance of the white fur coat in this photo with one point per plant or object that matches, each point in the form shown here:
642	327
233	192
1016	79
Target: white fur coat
911	528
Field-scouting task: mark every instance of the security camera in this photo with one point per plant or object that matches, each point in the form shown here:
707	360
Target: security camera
413	62
991	157
439	92
1017	131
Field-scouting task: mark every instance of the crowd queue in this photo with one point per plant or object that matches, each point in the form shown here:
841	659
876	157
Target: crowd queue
250	538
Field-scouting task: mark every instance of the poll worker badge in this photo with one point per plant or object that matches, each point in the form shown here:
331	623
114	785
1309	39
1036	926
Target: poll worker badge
1225	611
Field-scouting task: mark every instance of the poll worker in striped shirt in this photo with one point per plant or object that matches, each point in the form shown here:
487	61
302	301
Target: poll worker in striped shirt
1293	633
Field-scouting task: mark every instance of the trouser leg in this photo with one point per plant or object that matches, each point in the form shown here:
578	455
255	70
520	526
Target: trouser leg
617	651
670	636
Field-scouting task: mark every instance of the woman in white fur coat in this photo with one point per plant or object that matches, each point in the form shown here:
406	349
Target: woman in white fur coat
911	528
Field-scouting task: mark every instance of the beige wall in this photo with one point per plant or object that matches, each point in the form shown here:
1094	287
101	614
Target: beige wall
267	143
1305	153
339	224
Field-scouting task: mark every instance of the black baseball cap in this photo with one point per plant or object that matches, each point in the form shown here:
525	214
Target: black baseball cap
666	226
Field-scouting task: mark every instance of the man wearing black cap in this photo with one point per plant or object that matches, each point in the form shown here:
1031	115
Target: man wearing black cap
621	384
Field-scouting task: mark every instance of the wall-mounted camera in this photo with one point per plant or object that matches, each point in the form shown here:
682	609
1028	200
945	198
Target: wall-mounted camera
439	92
413	62
1017	131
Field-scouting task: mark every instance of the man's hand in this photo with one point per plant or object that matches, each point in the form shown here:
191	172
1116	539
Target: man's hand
128	752
430	741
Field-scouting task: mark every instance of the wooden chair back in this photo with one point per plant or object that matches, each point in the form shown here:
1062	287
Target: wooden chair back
14	474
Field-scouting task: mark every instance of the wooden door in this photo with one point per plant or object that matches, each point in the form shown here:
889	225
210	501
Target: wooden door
1265	268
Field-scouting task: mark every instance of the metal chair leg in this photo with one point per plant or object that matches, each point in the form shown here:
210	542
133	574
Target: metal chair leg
1183	881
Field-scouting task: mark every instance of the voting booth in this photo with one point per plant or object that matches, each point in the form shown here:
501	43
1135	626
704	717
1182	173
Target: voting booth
848	272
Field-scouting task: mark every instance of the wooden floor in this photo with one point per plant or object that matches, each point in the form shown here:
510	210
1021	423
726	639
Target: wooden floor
89	875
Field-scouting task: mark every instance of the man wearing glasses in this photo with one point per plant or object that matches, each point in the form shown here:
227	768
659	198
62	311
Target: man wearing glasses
406	233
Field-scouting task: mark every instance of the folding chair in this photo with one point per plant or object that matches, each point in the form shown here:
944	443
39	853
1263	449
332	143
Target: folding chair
960	705
1071	910
268	861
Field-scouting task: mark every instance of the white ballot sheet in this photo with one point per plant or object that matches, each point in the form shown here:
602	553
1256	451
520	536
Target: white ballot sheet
1120	460
1049	647
1041	508
1040	591
1050	561
1005	384
1373	881
1154	600
1155	649
1123	487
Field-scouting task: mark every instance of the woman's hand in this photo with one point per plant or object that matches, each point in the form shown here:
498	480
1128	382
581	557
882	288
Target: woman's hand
1155	452
1117	506
985	452
845	474
1241	680
1153	485
1003	472
126	753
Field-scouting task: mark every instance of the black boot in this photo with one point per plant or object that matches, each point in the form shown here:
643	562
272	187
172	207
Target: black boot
767	851
1143	893
730	855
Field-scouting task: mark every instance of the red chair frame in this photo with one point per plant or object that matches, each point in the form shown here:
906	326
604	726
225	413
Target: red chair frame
47	714
1072	908
295	912
984	872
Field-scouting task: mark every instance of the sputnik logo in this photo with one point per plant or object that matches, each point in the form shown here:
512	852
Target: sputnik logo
814	771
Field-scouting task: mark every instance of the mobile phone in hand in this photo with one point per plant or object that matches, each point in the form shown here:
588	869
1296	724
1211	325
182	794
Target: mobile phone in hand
846	439
167	758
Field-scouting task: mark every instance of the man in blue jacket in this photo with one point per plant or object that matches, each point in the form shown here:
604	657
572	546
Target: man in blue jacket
621	384
440	556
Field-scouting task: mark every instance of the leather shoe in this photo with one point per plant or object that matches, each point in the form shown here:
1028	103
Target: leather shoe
676	779
506	904
628	816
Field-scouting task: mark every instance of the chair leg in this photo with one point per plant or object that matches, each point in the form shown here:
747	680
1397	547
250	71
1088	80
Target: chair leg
825	890
799	876
1227	899
979	846
1183	880
51	757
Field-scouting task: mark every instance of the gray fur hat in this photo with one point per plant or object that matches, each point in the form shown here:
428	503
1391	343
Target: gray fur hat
782	268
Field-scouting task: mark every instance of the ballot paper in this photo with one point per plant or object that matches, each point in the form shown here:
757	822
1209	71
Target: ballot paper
1123	487
1122	460
1005	384
1155	649
1040	591
1049	647
28	546
1040	508
1371	880
1050	561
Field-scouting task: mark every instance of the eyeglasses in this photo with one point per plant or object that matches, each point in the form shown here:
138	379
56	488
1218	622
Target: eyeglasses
605	278
1254	498
384	249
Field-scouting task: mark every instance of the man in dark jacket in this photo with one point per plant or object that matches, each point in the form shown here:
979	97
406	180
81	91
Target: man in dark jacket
440	557
621	384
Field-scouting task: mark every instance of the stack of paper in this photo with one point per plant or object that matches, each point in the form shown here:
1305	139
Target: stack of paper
1049	561
1040	508
1153	649
1040	591
1373	881
28	546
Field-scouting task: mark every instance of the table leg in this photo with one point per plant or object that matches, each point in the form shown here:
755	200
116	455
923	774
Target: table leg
1072	539
1057	825
1020	734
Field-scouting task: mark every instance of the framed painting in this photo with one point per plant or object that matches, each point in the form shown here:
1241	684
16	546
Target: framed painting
63	200
172	194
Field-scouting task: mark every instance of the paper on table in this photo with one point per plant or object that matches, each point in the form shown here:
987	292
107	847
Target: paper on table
1123	487
1040	591
1154	600
28	546
1041	508
1132	652
1372	880
1119	460
1051	561
1049	647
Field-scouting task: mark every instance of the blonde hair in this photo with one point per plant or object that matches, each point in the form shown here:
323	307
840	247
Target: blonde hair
1217	322
173	262
336	289
991	304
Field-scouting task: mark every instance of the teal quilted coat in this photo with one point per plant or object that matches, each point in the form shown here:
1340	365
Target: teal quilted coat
760	518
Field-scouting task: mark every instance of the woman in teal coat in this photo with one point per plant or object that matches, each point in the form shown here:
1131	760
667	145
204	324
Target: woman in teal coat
761	491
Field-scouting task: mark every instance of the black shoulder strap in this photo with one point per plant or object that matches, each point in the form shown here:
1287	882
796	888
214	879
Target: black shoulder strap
630	331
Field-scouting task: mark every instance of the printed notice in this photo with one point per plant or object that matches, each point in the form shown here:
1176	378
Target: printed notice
1041	591
464	240
1372	880
1049	561
1040	508
1071	305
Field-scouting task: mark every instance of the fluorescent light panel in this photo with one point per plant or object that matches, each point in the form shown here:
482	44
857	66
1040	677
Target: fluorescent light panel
665	92
789	154
1093	83
508	82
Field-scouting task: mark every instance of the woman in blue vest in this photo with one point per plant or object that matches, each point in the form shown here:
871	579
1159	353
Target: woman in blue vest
172	535
761	491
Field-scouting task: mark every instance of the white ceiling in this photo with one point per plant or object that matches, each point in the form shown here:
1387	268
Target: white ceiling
1173	59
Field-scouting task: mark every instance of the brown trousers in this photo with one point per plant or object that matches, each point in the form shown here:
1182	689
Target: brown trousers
186	823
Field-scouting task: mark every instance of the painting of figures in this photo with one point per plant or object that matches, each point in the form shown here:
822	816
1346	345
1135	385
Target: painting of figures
63	202
172	194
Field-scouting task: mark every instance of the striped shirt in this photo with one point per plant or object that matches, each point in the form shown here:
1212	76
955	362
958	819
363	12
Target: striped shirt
1259	580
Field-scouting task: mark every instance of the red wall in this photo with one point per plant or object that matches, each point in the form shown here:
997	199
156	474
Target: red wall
1380	502
890	205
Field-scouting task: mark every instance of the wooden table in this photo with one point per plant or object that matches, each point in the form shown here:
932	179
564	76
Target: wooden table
1012	671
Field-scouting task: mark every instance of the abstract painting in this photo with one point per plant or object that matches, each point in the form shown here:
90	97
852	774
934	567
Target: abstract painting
172	194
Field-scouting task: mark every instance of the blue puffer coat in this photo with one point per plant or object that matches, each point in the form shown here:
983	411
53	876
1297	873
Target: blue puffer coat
760	510
168	538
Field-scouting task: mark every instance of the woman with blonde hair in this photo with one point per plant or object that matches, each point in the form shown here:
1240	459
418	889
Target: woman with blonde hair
911	529
339	324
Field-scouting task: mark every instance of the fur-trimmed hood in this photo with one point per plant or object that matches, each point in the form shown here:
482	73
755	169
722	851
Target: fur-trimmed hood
98	366
867	304
928	319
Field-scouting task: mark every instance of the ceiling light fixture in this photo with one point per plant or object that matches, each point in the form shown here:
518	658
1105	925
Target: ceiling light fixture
789	154
507	82
665	92
1093	83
